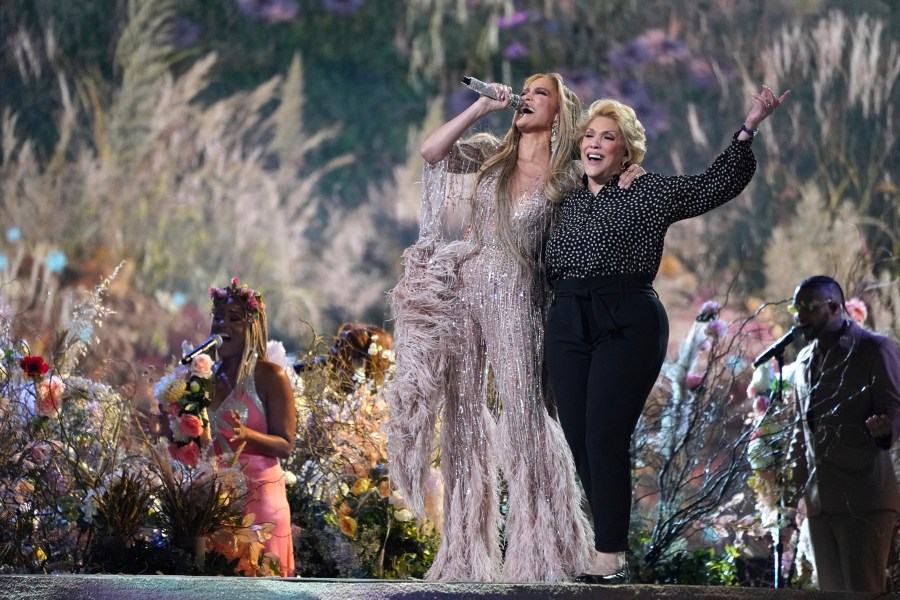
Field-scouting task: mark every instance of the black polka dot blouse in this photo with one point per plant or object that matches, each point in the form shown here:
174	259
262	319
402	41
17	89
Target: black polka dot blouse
620	231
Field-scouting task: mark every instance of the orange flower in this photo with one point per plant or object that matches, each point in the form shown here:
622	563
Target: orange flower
348	526
361	486
384	488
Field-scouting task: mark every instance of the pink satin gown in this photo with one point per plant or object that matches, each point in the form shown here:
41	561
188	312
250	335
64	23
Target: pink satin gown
265	479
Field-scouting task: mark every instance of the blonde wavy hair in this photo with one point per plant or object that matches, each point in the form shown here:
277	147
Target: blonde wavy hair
559	172
632	130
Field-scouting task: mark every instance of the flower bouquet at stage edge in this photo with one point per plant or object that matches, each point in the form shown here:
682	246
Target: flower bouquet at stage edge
185	395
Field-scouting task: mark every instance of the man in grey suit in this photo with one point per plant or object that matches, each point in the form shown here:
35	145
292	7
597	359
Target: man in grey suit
848	415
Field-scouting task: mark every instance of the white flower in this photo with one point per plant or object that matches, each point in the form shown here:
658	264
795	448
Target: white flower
89	505
289	478
278	355
403	515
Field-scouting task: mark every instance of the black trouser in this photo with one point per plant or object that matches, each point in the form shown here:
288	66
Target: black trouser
606	340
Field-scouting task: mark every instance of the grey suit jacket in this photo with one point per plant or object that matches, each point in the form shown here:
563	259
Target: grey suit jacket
840	467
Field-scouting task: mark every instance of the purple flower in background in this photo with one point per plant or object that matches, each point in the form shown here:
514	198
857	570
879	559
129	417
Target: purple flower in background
654	45
458	101
186	32
633	93
700	72
585	84
717	328
660	48
342	7
514	51
517	18
275	11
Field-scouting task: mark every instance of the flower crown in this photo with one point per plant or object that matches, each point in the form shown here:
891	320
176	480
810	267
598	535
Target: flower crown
251	299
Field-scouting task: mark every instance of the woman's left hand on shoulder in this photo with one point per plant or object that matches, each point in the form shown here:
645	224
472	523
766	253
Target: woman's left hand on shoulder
628	176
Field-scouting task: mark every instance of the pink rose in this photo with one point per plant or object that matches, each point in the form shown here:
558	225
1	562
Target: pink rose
202	366
40	452
189	454
235	282
693	381
857	310
49	398
191	425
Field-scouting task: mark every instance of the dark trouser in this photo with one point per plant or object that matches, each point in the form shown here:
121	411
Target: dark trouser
850	551
606	339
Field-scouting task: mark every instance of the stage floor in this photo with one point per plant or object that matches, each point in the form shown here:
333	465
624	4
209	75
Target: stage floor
169	587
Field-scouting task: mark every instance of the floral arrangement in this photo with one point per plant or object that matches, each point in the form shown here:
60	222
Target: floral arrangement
252	300
767	451
185	395
352	522
61	434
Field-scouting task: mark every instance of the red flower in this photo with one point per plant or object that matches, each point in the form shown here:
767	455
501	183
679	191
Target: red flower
34	366
189	454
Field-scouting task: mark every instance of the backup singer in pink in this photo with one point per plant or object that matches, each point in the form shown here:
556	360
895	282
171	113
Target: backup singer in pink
253	411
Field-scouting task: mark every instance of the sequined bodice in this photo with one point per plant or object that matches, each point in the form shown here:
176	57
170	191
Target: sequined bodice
529	217
244	400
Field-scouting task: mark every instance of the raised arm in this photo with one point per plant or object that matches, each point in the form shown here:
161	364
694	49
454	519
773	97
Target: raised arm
764	104
438	144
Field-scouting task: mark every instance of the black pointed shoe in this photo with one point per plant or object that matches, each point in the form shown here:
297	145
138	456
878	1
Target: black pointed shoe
622	576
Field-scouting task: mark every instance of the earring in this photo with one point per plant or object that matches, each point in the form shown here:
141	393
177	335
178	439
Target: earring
554	137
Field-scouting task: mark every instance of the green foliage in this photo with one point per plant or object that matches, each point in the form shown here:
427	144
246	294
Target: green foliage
681	566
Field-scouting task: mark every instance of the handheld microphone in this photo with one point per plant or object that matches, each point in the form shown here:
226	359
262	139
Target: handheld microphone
515	100
214	341
777	349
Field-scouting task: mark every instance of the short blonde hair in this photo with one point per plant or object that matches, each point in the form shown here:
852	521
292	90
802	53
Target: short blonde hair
632	131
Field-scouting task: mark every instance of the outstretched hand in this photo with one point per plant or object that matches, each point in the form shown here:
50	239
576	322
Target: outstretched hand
764	104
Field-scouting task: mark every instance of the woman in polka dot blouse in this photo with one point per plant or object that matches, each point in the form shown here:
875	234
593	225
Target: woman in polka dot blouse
606	331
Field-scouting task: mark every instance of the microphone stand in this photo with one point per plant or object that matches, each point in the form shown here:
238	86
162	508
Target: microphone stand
778	549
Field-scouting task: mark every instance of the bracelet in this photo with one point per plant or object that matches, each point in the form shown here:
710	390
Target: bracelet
748	131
